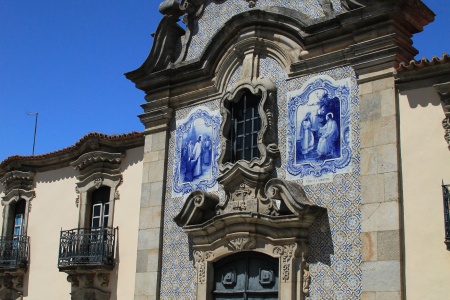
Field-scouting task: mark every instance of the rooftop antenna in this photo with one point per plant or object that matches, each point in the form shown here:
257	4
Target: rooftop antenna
35	127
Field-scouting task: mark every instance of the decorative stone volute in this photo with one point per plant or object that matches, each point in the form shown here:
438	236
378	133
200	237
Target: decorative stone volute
443	91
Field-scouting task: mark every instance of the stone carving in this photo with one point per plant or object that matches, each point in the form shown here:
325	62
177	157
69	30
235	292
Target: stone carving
7	281
251	3
104	279
73	279
286	253
242	243
19	282
306	279
9	293
77	199
200	262
89	279
446	126
98	182
89	293
443	91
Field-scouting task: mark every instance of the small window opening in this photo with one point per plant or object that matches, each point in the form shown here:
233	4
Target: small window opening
100	207
19	213
245	126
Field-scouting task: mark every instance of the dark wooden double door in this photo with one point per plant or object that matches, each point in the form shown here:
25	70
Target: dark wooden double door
248	276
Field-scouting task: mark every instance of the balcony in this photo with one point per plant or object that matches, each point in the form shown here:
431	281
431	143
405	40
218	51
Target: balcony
446	197
14	254
86	248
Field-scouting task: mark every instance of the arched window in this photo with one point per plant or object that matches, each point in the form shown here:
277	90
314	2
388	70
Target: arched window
100	207
245	126
247	275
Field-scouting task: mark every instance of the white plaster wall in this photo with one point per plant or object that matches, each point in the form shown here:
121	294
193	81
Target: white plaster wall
52	209
126	217
425	161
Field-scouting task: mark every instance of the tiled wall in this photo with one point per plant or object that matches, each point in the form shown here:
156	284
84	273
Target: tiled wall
217	13
335	249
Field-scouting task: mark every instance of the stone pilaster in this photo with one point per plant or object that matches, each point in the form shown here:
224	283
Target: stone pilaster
380	198
148	264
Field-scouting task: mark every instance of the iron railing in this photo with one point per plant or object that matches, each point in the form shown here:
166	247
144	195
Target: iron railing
446	196
86	246
14	252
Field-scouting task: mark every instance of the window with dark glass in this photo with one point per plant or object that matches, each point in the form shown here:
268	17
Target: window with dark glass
19	213
248	276
245	125
100	207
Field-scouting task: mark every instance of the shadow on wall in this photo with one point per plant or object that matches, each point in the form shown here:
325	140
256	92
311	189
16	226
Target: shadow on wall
56	175
320	241
422	97
133	156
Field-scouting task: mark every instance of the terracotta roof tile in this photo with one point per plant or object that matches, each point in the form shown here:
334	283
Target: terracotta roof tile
70	149
424	62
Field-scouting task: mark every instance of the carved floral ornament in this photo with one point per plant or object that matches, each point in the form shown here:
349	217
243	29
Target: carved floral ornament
443	90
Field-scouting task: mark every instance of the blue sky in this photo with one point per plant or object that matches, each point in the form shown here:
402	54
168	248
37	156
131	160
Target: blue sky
66	59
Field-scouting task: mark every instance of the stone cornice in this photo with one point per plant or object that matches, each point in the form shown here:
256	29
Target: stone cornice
94	157
319	38
63	158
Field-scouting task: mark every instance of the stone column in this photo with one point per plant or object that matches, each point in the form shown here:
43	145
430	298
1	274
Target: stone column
149	251
380	199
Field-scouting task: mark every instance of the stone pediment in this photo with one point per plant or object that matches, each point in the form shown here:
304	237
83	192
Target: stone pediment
287	200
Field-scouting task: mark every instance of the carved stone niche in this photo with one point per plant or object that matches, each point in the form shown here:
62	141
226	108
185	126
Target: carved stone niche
244	181
284	236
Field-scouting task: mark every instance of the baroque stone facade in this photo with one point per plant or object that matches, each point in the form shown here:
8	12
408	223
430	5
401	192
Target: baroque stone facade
327	147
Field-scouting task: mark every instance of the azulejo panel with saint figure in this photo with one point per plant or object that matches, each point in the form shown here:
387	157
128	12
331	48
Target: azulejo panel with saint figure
319	133
196	151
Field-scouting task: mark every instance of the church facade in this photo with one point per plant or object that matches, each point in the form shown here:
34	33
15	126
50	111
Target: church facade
292	150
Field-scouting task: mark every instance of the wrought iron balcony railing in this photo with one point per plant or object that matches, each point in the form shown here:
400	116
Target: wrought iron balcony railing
14	252
446	196
87	246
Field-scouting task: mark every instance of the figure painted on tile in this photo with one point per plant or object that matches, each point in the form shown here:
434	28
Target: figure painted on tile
318	128
197	144
196	157
184	158
207	146
306	137
188	175
329	135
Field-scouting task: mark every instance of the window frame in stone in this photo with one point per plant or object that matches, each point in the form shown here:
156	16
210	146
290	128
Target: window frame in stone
245	127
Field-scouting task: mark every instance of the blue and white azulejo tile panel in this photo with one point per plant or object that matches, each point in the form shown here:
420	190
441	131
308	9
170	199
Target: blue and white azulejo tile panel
318	131
197	146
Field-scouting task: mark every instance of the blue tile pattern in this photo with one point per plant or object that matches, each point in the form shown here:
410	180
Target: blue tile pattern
217	13
178	278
